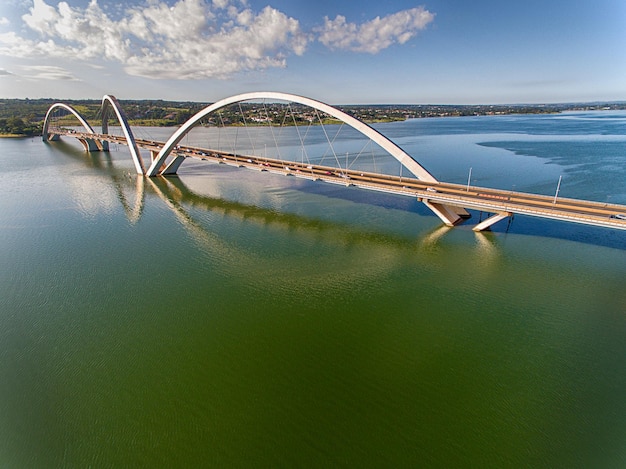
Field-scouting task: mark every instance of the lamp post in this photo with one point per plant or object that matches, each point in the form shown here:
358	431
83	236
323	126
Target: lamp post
558	186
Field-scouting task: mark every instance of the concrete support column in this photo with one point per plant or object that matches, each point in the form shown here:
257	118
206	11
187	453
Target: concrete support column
173	166
90	144
446	213
491	220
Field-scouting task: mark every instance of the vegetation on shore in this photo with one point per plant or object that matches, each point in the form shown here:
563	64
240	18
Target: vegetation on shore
17	127
24	117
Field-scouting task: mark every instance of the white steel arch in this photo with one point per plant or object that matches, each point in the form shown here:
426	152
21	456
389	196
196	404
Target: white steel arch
394	150
111	101
46	122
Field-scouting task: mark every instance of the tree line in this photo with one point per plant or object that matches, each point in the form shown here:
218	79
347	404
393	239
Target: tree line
24	117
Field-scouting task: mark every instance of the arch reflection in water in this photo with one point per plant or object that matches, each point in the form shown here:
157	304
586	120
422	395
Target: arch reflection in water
382	250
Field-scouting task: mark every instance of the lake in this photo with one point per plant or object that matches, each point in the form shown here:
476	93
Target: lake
233	318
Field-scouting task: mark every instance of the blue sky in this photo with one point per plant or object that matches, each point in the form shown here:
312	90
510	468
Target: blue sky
340	52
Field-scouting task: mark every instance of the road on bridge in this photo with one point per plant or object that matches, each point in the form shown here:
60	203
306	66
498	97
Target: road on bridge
501	203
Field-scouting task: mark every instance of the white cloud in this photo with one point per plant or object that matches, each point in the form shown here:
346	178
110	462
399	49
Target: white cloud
4	73
12	45
375	35
4	21
48	72
42	16
193	39
220	3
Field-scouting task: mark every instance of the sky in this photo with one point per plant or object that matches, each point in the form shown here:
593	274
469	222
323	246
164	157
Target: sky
339	51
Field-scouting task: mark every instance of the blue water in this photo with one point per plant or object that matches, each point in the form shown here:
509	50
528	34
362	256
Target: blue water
232	318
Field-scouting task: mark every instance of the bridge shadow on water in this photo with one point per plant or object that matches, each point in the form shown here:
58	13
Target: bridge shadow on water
132	190
516	225
174	190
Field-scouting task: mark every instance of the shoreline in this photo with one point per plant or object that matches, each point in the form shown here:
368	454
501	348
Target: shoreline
18	136
443	113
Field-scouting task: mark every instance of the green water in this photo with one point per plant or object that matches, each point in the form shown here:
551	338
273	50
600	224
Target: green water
229	318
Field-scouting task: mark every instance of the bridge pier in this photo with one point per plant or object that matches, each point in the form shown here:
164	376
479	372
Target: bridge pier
491	220
173	166
460	211
446	213
90	144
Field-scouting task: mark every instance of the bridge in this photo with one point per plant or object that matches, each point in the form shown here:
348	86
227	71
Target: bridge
446	200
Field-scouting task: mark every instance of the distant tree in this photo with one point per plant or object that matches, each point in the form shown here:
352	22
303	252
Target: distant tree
182	116
15	125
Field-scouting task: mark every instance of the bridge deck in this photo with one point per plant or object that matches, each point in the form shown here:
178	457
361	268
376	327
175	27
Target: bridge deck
501	203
